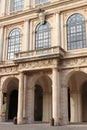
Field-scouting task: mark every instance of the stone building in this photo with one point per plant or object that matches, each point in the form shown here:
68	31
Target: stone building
43	61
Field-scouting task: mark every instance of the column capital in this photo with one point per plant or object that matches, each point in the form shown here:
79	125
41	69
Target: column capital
26	20
2	26
57	69
57	12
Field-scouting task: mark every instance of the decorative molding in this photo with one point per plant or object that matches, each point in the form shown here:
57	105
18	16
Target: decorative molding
76	62
26	66
41	16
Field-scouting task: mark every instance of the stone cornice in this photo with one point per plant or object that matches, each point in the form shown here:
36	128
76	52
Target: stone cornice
50	8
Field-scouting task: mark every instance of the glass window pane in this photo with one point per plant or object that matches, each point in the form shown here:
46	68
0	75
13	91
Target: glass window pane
18	5
42	36
14	42
41	1
76	33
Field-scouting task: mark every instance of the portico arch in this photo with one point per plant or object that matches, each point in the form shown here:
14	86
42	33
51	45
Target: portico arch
9	98
43	86
76	88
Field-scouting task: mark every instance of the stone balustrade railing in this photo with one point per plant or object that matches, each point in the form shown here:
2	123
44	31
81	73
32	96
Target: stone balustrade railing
40	53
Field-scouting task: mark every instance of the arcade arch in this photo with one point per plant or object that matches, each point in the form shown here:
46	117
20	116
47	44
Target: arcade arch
77	97
43	99
9	98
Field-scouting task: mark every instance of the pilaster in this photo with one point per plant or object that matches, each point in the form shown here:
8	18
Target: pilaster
27	4
27	29
57	29
1	41
3	7
64	101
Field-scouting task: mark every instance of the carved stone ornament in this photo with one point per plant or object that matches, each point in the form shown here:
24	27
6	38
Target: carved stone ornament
75	62
41	15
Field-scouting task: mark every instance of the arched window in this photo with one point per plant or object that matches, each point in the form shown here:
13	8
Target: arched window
14	42
76	32
42	36
18	5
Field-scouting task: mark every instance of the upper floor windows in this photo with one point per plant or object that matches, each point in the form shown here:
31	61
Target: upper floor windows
42	36
41	1
76	32
18	5
14	42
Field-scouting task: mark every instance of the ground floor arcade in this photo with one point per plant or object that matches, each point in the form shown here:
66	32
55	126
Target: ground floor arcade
30	96
41	95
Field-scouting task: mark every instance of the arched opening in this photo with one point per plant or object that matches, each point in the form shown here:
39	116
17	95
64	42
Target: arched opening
13	104
43	99
84	102
38	108
77	97
10	96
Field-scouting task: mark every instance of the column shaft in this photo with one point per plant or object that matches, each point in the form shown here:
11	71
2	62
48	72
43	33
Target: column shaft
1	41
65	105
24	103
56	96
27	4
20	99
3	4
1	103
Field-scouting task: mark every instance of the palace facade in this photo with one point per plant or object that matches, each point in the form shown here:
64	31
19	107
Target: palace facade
43	61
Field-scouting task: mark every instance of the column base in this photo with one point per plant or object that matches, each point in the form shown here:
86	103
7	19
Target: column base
2	119
19	121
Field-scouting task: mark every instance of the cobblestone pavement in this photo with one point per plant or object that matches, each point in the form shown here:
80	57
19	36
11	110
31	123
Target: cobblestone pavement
11	126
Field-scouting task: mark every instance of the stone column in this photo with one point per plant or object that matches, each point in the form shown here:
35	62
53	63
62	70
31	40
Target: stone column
24	101
64	103
27	29
47	106
30	100
20	98
57	29
10	6
77	106
1	41
80	106
3	6
72	105
1	103
30	104
56	96
27	4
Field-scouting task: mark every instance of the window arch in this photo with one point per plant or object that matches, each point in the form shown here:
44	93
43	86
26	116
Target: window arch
18	5
76	32
43	36
14	42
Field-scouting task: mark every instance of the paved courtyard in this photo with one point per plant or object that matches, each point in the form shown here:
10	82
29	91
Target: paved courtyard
11	126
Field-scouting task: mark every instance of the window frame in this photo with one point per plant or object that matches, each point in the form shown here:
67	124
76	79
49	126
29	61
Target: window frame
74	30
40	36
14	42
